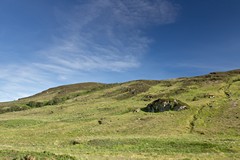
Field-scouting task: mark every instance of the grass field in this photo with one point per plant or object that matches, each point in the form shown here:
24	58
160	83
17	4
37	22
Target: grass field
105	121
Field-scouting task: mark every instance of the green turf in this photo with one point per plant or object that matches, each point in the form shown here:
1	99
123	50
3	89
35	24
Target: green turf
107	121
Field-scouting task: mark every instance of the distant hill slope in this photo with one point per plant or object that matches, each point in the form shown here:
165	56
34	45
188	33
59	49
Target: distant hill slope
96	120
127	89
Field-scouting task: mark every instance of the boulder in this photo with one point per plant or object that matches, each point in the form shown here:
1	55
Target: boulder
161	105
28	157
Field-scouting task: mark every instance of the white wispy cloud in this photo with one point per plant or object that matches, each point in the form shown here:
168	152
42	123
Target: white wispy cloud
21	80
107	34
93	36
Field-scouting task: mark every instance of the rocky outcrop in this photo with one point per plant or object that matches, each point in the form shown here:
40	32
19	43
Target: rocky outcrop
161	105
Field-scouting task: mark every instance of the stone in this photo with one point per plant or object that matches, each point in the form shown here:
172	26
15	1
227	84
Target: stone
28	157
100	122
161	105
136	110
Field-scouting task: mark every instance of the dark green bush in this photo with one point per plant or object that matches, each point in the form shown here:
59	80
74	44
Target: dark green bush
32	104
39	104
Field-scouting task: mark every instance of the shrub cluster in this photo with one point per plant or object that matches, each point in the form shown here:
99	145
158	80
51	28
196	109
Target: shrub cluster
12	109
34	104
53	101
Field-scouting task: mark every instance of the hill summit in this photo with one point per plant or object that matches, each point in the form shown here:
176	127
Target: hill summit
183	118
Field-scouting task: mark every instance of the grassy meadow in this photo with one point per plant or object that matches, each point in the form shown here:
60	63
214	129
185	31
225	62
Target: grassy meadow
105	121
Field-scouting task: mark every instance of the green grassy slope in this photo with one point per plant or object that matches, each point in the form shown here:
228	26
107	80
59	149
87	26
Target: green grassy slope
105	121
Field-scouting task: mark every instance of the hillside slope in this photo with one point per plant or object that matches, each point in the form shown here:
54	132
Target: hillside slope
108	121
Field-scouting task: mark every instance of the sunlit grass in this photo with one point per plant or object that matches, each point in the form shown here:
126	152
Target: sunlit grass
108	123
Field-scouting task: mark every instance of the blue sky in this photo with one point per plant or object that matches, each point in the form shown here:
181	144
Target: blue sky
47	43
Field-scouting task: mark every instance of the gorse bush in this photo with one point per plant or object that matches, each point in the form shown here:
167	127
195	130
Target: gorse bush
12	109
34	104
53	101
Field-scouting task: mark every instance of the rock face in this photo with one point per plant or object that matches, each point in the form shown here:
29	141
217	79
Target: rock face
161	105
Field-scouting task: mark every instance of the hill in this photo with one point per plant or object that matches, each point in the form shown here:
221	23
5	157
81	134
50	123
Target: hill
133	120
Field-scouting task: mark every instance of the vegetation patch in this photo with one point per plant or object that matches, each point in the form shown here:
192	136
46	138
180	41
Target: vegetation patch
17	155
160	146
18	123
131	90
203	96
12	108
